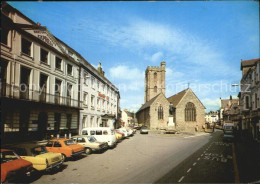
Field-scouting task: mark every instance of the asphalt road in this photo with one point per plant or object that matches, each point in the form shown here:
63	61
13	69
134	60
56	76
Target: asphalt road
212	163
150	158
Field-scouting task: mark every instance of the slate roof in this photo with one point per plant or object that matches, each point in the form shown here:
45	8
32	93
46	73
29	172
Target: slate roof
148	103
175	99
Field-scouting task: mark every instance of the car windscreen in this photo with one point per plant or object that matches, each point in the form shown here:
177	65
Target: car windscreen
7	156
38	150
92	139
84	132
69	142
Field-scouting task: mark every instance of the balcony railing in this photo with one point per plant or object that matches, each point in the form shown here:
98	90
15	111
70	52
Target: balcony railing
11	91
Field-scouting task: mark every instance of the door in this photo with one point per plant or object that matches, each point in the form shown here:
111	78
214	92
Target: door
42	124
24	121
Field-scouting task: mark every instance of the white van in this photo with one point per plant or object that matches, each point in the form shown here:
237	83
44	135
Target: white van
103	134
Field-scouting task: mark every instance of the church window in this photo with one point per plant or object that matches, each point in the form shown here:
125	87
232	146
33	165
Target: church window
155	89
190	112
160	112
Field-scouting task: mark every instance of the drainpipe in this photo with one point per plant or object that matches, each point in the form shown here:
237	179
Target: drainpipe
79	89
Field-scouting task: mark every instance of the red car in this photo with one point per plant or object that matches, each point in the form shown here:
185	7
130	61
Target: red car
13	165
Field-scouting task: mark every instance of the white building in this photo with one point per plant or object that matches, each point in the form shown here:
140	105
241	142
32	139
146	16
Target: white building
99	96
128	118
212	117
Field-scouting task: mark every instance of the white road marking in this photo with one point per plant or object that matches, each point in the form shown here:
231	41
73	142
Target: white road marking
201	155
189	170
194	163
198	158
181	179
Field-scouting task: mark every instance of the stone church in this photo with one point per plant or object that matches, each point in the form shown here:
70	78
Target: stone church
154	113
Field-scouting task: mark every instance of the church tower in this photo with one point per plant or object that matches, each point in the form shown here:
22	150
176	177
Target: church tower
154	81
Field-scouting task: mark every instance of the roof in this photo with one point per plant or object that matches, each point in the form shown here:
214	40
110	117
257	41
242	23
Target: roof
248	63
224	103
233	109
129	114
148	103
175	99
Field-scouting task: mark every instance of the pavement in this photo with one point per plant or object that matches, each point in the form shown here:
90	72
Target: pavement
248	161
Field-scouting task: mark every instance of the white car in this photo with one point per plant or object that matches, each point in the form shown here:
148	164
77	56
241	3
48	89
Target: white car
102	134
124	131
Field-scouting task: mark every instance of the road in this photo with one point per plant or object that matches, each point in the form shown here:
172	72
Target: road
151	158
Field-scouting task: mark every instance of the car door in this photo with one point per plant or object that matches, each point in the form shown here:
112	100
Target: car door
49	146
56	147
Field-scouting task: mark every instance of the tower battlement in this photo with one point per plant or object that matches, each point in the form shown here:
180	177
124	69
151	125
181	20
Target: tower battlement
154	81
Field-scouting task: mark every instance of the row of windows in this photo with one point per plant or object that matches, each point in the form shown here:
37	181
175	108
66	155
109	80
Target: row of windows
254	102
44	56
99	101
95	84
190	112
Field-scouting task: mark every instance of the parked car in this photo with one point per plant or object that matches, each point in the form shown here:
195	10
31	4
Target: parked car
41	159
130	131
124	131
13	165
67	147
119	136
121	133
90	143
144	130
102	134
137	127
228	129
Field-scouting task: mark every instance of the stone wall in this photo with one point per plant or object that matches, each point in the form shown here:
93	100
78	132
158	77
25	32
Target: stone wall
180	113
155	123
143	117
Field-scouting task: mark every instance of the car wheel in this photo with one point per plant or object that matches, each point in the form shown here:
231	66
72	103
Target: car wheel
63	157
88	151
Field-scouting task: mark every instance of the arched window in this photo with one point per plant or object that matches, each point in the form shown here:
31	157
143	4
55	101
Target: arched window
160	112
190	112
155	76
155	89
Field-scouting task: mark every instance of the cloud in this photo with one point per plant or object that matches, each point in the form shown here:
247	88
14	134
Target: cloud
211	104
157	57
189	58
123	72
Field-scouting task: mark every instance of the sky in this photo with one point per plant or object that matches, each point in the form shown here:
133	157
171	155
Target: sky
202	42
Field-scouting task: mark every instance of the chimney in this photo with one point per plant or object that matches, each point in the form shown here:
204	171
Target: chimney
100	71
38	24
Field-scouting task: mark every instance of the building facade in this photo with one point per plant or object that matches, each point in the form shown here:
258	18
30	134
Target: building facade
229	110
128	118
154	81
48	88
212	117
100	98
189	111
249	98
154	113
39	82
